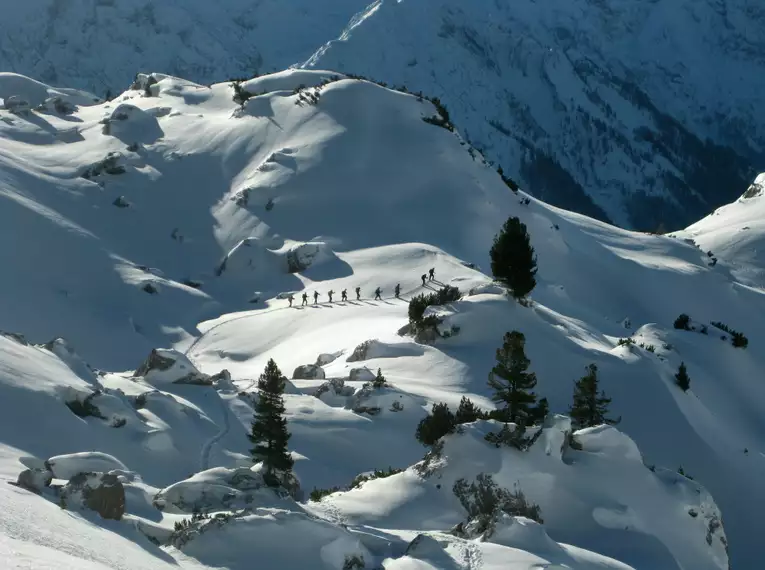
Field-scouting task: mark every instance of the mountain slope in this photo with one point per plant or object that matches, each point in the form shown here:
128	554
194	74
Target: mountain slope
641	113
99	45
223	209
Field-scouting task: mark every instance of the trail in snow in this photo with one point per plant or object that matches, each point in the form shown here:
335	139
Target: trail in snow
190	356
207	448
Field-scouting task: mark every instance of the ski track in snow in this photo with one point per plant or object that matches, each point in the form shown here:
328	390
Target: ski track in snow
207	448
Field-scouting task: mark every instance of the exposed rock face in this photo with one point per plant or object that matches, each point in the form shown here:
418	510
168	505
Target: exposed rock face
34	479
308	372
100	492
155	361
360	352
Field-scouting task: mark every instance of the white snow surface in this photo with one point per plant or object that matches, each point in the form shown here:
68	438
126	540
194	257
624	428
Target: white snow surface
389	196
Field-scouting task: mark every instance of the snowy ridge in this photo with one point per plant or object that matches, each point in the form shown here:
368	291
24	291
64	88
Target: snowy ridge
606	108
643	113
335	185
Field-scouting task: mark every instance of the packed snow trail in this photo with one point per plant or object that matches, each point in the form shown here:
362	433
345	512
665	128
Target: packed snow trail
207	447
260	313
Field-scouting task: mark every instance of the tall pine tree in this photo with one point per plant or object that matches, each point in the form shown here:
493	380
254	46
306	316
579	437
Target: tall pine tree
590	409
269	426
512	258
511	383
682	378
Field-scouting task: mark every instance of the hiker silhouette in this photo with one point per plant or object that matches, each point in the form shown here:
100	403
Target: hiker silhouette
305	299
432	274
378	292
358	293
423	279
344	295
315	297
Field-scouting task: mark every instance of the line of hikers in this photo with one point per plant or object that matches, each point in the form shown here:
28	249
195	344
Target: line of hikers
429	276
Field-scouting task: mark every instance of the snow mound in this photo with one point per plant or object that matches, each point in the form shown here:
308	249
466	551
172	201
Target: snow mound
561	480
304	255
132	124
68	465
216	489
288	80
36	93
164	366
321	544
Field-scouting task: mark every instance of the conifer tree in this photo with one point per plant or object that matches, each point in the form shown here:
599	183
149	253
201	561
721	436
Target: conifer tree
512	258
269	432
379	381
511	383
467	412
682	378
437	424
590	408
541	411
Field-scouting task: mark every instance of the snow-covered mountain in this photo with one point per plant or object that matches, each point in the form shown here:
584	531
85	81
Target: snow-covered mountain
173	218
642	113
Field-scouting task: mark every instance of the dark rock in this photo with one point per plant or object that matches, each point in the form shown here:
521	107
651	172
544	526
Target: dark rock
308	372
100	492
155	361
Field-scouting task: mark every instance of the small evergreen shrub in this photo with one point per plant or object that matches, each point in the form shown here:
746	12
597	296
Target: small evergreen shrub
682	379
737	339
418	305
379	381
438	423
625	342
468	412
378	474
683	322
441	118
484	501
318	494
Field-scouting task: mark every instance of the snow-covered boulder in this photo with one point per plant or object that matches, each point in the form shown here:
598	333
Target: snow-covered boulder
215	489
66	353
361	375
491	288
334	392
132	125
522	533
304	255
250	257
16	104
112	164
68	465
374	348
229	541
59	105
308	372
166	366
100	492
34	479
327	358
